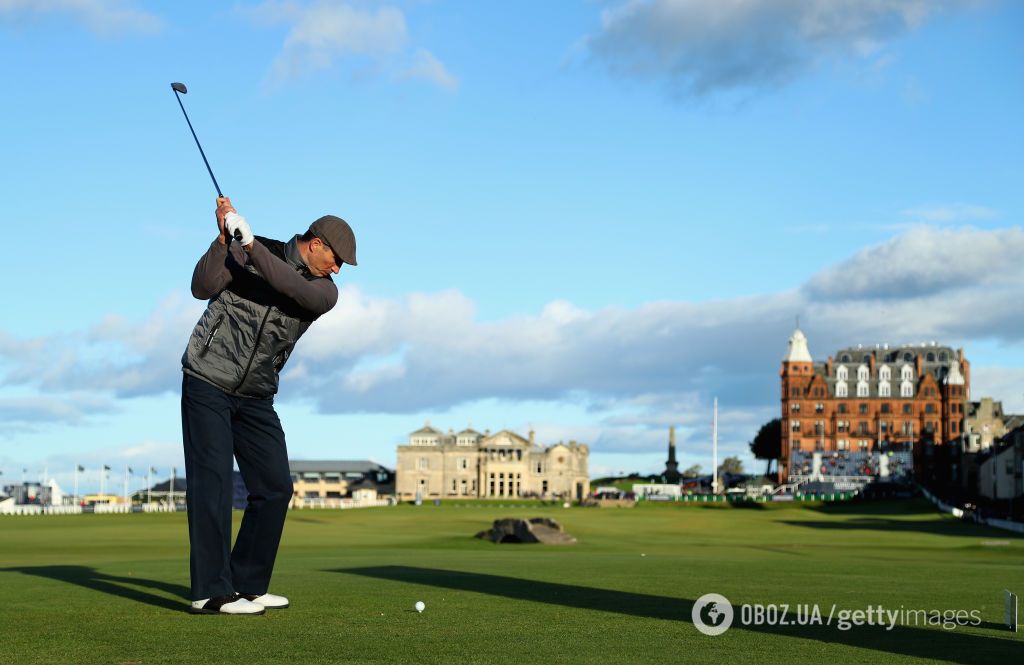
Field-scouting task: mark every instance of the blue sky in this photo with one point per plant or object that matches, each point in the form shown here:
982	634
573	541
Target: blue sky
585	217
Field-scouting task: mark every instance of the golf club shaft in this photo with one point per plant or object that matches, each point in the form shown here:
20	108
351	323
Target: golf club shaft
216	186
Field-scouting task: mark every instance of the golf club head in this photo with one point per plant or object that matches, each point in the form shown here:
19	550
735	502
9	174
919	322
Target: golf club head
179	87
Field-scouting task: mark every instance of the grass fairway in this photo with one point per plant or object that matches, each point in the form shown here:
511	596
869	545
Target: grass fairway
113	589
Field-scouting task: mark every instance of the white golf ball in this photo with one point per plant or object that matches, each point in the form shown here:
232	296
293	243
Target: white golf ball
420	606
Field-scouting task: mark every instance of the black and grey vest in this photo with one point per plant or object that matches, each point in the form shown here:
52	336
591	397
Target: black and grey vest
247	332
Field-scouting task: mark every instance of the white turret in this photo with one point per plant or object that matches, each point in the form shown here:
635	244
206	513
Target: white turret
954	378
797	348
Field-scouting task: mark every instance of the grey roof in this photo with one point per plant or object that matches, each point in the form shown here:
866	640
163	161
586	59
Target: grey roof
334	466
893	357
426	429
469	430
1012	421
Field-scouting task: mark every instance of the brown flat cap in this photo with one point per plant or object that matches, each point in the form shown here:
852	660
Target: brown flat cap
336	232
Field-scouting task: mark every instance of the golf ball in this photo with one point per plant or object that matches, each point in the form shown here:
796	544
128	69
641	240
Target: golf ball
420	606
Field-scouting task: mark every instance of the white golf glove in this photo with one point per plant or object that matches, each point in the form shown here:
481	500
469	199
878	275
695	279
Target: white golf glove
236	224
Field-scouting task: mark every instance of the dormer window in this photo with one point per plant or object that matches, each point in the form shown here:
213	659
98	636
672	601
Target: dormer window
906	373
884	373
883	389
862	373
842	373
906	389
841	390
862	389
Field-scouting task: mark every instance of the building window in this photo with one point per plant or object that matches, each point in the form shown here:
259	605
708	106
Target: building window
795	406
843	426
929	408
463	463
862	408
886	408
907	408
908	428
952	427
885	373
794	392
794	425
862	389
883	427
862	373
842	374
884	390
906	373
819	408
908	356
862	428
424	464
943	357
842	444
544	487
842	408
906	389
863	445
841	389
819	427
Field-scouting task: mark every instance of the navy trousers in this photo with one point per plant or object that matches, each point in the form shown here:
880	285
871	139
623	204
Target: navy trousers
216	428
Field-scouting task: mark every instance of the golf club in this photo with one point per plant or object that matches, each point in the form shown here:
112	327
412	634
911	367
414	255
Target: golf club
180	88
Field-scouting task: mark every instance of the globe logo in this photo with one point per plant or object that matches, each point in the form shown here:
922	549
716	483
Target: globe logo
712	614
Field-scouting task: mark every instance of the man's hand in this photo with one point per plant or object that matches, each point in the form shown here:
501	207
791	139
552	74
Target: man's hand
223	208
237	226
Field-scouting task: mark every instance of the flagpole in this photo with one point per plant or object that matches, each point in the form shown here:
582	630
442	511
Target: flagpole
714	449
170	489
76	484
149	486
103	473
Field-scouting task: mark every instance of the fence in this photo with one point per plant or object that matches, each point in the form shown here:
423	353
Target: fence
741	498
1005	525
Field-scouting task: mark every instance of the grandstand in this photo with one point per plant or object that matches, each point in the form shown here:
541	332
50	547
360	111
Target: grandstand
845	470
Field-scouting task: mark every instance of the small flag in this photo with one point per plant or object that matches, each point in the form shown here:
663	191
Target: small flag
106	468
80	468
152	469
130	471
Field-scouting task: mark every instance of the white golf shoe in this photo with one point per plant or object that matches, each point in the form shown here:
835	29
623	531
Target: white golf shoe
267	600
232	604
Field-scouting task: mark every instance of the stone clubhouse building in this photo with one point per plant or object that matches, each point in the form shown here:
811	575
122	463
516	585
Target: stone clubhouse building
468	464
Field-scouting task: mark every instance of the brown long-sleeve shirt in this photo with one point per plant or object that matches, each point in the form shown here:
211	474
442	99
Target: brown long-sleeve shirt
213	274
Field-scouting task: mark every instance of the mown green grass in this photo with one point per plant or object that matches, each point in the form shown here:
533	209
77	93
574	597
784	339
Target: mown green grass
113	589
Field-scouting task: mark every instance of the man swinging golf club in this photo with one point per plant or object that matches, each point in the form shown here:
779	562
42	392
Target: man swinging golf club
263	295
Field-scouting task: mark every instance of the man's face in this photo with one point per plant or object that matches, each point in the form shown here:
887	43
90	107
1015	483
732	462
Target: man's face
322	260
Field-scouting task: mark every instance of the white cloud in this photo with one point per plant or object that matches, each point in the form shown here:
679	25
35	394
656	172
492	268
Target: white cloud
635	371
327	32
104	17
428	68
699	48
923	262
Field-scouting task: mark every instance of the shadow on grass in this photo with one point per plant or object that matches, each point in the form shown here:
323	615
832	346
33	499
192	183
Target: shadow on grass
935	644
114	585
941	527
876	507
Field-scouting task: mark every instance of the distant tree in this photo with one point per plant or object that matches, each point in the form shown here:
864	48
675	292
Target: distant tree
692	472
767	445
730	465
